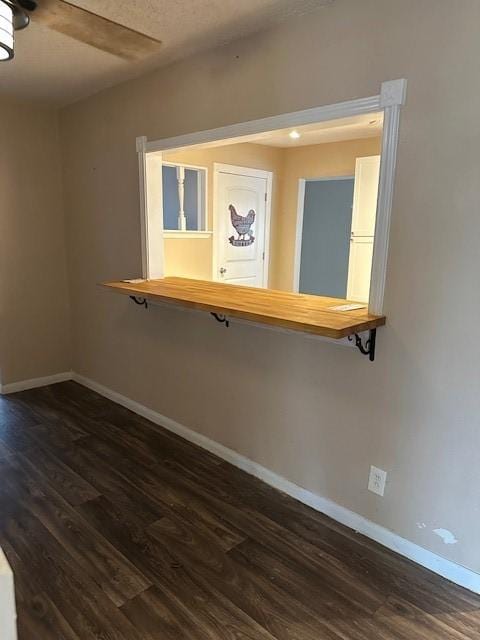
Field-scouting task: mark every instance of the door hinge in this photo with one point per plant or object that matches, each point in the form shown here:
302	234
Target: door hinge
265	196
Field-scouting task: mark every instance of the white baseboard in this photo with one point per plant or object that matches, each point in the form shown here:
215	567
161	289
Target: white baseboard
33	383
443	567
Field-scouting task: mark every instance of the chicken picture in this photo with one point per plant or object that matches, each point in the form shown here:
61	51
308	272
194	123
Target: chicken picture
242	224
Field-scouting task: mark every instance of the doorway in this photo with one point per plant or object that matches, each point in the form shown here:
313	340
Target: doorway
242	204
324	250
362	235
336	233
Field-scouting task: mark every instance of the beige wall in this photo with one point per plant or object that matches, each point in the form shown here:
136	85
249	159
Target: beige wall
316	413
188	257
312	161
34	334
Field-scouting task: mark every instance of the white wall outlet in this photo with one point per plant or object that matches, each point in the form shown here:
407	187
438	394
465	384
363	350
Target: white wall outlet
377	480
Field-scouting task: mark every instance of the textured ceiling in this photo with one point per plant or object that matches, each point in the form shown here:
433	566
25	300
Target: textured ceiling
54	69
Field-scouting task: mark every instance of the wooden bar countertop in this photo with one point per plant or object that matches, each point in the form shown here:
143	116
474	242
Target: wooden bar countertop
296	311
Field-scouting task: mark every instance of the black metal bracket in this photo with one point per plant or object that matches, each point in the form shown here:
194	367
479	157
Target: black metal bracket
221	318
369	348
141	301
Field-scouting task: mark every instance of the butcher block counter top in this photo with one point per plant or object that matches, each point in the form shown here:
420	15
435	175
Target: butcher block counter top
295	311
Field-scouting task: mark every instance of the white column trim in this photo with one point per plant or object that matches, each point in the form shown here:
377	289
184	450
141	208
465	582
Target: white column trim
392	96
182	220
141	143
151	210
391	123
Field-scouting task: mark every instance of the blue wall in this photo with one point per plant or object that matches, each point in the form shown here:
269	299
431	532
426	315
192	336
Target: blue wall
170	198
327	223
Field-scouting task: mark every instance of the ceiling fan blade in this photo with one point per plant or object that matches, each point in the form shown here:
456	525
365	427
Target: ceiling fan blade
28	5
95	30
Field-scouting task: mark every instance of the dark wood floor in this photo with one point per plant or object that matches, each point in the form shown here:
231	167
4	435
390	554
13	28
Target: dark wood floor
118	530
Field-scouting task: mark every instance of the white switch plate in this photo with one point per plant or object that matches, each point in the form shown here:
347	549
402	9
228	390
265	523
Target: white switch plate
377	480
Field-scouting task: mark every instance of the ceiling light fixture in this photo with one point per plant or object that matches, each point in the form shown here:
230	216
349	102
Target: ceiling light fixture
14	15
294	135
6	31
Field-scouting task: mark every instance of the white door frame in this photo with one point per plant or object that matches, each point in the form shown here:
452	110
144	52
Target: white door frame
297	260
390	100
219	167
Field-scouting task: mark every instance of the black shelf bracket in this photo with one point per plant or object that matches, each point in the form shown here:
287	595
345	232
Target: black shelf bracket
221	318
141	301
369	348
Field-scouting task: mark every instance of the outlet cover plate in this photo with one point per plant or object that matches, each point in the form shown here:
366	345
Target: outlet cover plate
377	480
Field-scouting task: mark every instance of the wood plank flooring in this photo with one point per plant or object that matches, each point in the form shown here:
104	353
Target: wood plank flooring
118	530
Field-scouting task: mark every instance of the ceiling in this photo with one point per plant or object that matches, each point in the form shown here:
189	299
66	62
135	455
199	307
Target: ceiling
368	125
52	68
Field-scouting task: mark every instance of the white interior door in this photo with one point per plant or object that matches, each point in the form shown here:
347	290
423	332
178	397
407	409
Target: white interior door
359	269
241	212
367	171
365	193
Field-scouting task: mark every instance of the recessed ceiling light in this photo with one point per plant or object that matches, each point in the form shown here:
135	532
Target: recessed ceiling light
294	135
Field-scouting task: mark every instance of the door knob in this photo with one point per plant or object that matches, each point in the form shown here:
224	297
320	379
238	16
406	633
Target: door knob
223	270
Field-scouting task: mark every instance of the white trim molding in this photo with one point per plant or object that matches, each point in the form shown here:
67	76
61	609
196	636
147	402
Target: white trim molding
151	211
8	612
393	93
33	383
390	100
297	260
141	143
182	235
283	121
446	568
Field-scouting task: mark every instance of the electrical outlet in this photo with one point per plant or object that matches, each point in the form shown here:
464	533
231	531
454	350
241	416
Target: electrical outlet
377	480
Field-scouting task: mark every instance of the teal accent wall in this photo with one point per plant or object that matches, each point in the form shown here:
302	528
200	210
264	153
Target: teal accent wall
327	223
